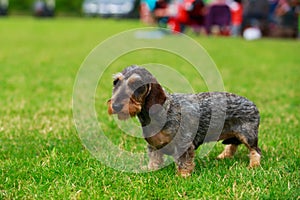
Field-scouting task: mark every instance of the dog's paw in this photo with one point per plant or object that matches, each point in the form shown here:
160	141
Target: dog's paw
223	156
184	173
153	166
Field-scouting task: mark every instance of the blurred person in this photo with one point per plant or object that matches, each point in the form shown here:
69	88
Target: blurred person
176	14
44	8
272	8
284	21
146	11
155	11
4	7
220	2
50	4
162	12
39	7
186	13
196	13
287	12
282	7
297	3
236	9
179	15
218	18
255	14
49	8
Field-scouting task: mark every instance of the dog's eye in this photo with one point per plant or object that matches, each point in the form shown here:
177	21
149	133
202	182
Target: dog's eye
140	91
115	82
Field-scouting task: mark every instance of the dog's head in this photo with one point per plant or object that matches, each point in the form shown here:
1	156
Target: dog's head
133	89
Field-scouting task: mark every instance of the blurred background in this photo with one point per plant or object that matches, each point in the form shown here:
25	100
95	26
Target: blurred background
249	18
43	44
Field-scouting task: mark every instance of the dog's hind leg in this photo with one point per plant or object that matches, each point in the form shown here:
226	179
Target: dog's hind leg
255	153
254	158
249	137
246	134
228	152
230	148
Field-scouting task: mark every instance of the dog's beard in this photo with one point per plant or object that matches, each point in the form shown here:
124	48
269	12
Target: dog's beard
123	116
130	110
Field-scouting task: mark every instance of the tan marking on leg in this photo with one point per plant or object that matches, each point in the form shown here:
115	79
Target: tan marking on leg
156	160
254	158
228	152
239	136
160	139
243	139
187	170
185	164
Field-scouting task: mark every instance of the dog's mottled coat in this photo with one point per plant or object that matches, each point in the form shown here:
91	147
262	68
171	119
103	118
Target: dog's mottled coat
176	124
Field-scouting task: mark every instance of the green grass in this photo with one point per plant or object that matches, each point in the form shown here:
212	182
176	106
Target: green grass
41	156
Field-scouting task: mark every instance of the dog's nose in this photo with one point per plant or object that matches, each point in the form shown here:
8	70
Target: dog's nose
117	107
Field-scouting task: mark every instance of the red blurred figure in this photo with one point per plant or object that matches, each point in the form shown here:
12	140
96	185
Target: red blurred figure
236	9
186	13
175	15
179	16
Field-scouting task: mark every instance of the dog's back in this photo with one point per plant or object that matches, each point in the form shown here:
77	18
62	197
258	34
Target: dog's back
216	115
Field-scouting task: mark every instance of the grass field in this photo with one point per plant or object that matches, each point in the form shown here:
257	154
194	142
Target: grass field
42	157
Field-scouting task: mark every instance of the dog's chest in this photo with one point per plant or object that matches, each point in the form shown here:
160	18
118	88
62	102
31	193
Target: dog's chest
160	139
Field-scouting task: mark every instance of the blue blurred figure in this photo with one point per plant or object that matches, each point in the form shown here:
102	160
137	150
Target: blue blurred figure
44	8
3	7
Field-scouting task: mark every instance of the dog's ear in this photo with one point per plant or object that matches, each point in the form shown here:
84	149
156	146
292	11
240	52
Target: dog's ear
155	96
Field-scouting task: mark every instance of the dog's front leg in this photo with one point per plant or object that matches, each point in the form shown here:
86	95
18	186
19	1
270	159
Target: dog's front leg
155	158
185	163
